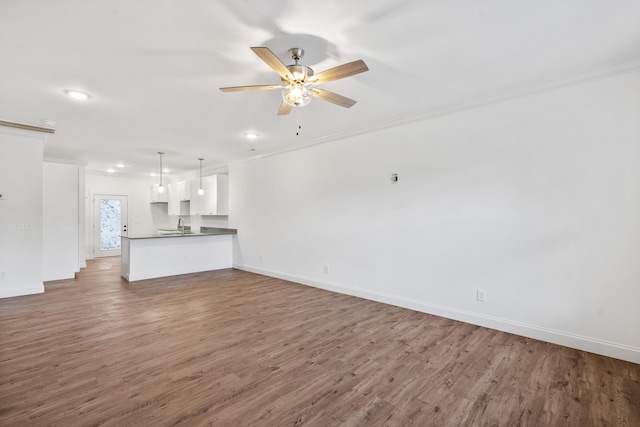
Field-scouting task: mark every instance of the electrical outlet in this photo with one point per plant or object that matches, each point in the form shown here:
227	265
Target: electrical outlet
261	259
393	178
3	196
481	295
326	269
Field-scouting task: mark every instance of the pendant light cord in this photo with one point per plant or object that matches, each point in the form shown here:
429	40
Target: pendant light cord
160	153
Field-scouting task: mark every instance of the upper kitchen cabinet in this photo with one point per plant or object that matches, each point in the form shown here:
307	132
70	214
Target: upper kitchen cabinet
179	195
157	196
215	200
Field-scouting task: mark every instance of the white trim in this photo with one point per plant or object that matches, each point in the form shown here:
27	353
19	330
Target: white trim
63	161
27	126
605	348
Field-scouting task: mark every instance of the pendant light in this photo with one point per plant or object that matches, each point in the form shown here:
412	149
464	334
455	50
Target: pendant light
200	190
160	187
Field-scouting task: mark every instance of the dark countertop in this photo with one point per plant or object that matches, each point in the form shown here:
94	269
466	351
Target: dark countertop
204	231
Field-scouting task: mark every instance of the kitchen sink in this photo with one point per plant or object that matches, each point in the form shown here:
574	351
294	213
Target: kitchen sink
168	232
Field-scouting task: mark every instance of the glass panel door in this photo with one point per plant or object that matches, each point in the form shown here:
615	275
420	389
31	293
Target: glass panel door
110	222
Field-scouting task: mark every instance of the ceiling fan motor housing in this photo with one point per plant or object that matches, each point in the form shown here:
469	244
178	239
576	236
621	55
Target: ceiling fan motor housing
300	73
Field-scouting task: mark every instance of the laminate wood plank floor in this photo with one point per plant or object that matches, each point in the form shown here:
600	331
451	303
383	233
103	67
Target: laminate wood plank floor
232	348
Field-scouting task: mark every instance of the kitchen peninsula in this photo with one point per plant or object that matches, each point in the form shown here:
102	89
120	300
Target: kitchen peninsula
160	255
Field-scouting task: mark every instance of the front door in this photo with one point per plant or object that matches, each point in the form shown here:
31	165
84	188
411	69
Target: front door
109	223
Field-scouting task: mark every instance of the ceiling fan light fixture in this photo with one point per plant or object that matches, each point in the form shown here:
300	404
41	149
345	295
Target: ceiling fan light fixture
296	95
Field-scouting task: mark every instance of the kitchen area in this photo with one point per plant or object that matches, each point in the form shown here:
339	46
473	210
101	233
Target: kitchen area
178	228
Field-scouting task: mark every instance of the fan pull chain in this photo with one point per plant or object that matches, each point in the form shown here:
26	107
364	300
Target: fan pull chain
298	114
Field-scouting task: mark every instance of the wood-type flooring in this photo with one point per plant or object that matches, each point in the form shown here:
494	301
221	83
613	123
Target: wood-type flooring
232	348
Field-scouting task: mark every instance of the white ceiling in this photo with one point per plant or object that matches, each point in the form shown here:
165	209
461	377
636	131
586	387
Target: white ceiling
153	68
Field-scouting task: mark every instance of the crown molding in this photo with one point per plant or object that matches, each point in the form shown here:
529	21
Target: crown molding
26	126
64	161
514	92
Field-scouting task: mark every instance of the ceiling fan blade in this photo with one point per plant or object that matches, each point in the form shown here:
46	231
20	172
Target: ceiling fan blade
273	61
340	72
333	98
245	88
284	109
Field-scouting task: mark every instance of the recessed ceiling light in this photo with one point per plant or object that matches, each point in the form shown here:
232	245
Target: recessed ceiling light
251	135
152	174
165	170
119	165
111	170
77	95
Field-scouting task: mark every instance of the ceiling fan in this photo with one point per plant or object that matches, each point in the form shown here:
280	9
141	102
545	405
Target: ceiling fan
298	81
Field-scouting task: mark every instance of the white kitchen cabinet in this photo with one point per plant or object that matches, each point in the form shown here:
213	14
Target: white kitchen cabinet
184	190
215	200
157	196
179	194
197	204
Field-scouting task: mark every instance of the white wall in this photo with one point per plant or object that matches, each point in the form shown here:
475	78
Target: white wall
534	200
60	221
21	186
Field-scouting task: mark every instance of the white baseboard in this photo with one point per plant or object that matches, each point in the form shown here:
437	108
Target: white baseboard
21	291
605	348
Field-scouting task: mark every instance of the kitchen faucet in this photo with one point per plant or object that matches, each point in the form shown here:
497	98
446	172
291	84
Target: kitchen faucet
181	224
